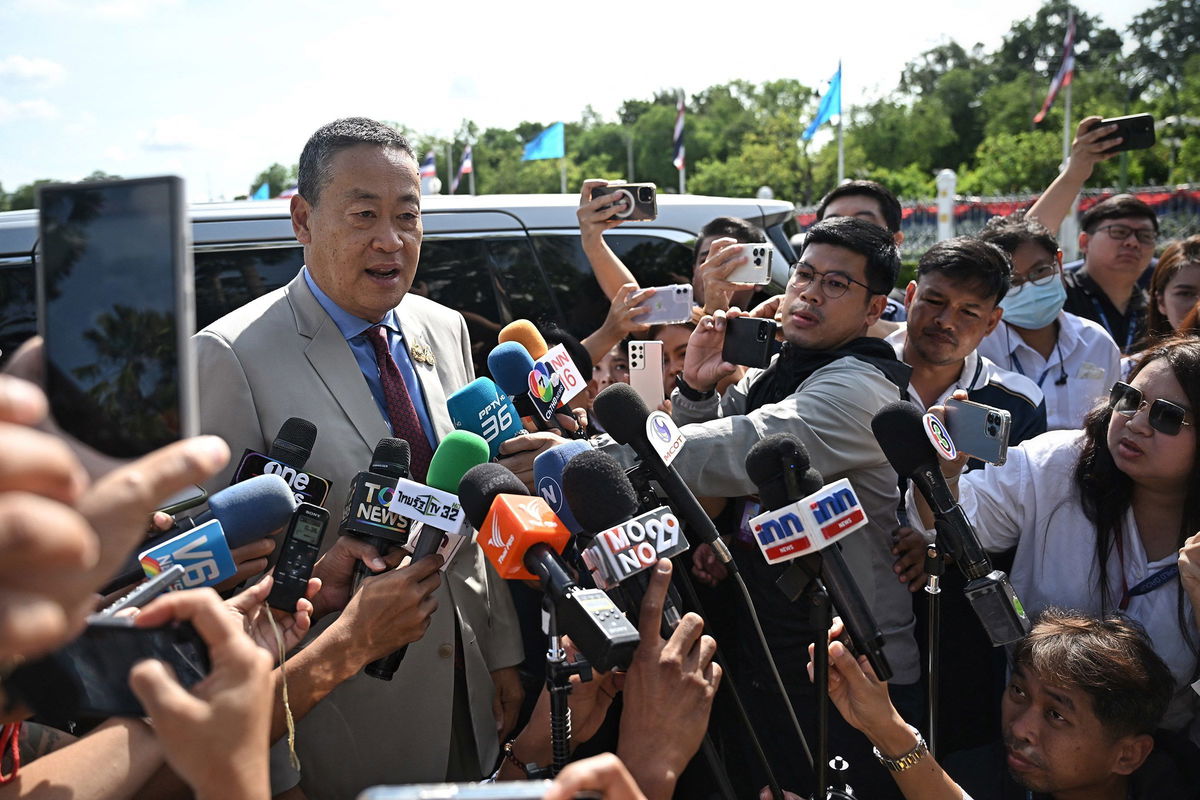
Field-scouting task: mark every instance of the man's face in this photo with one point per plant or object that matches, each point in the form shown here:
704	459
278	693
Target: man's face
864	207
1054	741
946	320
815	321
1127	257
362	242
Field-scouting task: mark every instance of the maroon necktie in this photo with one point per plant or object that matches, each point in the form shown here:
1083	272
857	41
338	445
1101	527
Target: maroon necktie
401	412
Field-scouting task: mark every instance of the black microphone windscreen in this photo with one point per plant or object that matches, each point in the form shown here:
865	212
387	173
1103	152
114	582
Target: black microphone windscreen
391	458
901	434
294	443
768	464
622	412
597	491
479	487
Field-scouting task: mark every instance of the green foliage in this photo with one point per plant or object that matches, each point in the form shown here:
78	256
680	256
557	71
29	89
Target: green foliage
277	177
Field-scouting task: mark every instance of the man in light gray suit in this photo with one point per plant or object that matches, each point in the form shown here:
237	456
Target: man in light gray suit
345	346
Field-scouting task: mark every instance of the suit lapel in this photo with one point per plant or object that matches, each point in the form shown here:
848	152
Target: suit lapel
431	382
332	360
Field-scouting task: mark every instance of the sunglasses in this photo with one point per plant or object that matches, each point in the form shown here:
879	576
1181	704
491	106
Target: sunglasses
1165	416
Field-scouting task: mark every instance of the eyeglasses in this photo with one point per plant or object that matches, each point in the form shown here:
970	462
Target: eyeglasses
1123	232
1039	275
1165	416
833	284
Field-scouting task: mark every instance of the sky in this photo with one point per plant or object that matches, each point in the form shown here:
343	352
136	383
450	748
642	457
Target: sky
217	90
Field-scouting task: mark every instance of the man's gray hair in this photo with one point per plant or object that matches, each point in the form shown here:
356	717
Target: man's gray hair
336	136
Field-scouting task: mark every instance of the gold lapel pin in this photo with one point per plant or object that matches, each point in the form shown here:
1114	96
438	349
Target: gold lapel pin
421	352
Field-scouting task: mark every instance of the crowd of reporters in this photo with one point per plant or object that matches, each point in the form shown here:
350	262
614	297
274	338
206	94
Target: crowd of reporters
1100	377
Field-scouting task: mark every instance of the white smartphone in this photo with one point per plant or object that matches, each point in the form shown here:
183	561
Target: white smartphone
668	305
757	268
646	372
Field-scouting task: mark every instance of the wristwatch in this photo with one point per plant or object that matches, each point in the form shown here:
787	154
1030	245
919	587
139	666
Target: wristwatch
909	759
695	395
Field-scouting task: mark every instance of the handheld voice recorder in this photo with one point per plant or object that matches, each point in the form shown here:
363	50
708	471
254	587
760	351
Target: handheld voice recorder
297	556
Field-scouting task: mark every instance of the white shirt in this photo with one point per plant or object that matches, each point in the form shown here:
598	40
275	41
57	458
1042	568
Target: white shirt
1032	502
1085	353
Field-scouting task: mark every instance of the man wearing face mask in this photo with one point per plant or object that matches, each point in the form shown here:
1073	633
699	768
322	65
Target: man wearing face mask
1073	360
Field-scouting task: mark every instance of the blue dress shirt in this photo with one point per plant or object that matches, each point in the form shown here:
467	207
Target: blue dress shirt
355	330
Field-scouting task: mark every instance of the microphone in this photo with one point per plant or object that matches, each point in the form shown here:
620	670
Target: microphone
557	358
625	416
368	514
236	515
803	518
534	388
900	431
624	544
481	408
522	539
548	469
436	508
286	458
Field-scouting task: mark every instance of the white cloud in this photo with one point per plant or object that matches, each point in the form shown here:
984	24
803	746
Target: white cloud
26	109
108	9
42	71
179	132
116	153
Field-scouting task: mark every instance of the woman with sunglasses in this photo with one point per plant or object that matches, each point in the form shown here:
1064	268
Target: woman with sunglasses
1101	518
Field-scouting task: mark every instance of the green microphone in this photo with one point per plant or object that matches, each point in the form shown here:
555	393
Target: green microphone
457	453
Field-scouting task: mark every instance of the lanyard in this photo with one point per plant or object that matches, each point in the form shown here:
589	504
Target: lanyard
1129	329
1146	585
1016	362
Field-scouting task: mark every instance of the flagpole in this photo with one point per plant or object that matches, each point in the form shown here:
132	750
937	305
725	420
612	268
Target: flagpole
683	179
471	174
841	153
449	166
563	165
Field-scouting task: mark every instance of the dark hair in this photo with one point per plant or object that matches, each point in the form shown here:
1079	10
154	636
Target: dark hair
971	263
733	227
1106	493
1117	207
331	139
1110	659
1009	233
554	334
1178	254
888	203
864	238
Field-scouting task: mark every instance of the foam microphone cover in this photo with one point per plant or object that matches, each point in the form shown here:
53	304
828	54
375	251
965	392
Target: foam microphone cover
766	463
294	443
548	470
510	365
391	458
527	335
899	429
479	487
597	491
253	508
457	453
622	412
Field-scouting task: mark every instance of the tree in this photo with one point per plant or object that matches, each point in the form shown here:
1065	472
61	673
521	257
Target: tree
277	177
1034	46
26	196
1164	33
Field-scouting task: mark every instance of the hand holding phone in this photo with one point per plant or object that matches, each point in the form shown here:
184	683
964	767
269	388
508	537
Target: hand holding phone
630	201
750	341
1136	132
978	430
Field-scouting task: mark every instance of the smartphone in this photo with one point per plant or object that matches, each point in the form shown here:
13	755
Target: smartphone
89	678
979	430
750	341
190	497
297	555
116	310
646	372
639	200
668	305
501	790
757	269
1136	132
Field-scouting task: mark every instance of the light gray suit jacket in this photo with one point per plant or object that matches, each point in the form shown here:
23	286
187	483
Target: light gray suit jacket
282	356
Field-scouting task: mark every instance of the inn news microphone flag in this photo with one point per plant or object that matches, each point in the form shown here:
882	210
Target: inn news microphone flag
1065	72
548	144
831	105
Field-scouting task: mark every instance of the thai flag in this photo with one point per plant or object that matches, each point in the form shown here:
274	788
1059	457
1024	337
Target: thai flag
429	165
467	166
290	191
679	159
1065	72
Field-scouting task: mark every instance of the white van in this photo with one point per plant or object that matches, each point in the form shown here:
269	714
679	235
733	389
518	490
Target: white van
495	258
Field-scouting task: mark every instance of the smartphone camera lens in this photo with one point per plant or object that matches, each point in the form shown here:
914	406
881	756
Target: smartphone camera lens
644	194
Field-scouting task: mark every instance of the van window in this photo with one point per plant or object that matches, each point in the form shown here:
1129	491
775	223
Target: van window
18	307
228	279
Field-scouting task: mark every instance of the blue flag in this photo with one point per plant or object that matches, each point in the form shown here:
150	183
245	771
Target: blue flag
263	192
548	144
831	104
